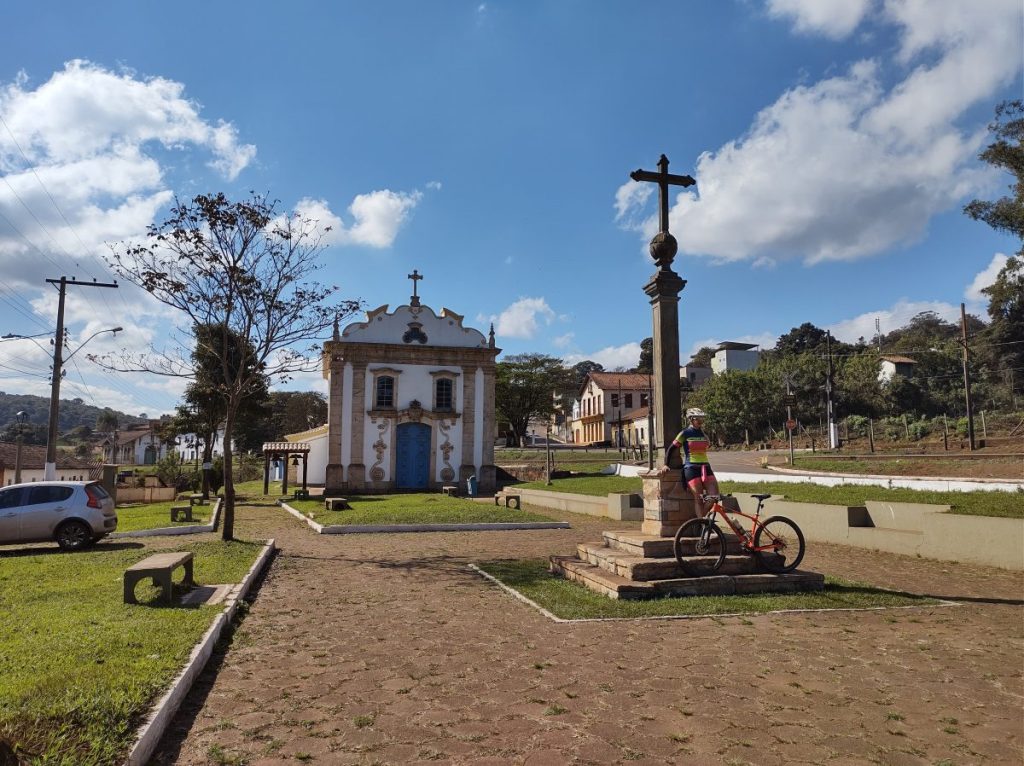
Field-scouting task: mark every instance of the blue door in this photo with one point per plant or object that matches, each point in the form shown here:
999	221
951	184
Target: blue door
412	459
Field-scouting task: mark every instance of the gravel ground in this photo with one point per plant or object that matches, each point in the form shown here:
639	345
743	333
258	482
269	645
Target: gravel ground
386	649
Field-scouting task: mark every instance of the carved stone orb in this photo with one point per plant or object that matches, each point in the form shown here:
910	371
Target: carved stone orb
663	249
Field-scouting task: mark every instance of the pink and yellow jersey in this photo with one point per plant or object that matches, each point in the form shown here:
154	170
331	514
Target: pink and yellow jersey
694	445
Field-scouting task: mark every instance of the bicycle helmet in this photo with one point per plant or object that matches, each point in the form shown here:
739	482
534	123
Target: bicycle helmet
695	412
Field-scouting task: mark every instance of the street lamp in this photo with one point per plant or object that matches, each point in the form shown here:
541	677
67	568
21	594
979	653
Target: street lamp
21	417
50	471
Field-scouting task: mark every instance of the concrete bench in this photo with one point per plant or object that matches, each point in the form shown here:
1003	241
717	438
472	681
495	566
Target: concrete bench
301	494
451	490
337	504
196	500
159	567
181	513
510	500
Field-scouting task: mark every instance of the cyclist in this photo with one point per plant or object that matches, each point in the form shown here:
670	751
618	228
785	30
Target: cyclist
696	469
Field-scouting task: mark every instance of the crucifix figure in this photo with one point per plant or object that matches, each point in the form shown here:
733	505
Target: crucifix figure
663	246
415	277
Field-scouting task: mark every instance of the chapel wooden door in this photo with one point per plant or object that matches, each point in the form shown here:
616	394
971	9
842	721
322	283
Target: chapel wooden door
412	456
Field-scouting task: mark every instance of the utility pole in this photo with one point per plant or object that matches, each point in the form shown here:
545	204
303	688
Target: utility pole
967	377
50	469
833	433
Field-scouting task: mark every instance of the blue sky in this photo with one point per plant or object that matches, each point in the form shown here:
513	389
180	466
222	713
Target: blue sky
489	146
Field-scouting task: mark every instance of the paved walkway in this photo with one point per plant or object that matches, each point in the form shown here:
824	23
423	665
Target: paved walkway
385	649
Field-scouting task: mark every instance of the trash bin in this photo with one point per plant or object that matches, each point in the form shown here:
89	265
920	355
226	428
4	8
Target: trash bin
471	486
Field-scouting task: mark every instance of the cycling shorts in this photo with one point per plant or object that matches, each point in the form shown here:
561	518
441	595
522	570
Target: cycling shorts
696	471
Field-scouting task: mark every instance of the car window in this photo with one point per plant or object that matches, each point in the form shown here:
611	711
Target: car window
37	495
9	497
99	490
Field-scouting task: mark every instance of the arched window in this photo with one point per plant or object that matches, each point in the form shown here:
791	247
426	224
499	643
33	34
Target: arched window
443	394
385	399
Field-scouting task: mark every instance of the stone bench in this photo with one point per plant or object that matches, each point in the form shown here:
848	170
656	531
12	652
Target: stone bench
510	499
337	504
196	500
301	494
181	513
451	490
159	567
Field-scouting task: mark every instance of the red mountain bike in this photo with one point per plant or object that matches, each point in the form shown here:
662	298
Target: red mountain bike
777	541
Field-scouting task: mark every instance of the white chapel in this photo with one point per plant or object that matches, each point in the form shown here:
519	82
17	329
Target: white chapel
410	403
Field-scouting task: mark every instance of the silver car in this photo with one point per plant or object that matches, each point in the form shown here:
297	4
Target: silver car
75	514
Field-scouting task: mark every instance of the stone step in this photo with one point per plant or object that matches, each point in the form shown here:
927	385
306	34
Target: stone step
638	568
654	546
615	586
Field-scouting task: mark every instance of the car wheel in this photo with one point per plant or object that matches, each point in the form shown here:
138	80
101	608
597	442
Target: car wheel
73	535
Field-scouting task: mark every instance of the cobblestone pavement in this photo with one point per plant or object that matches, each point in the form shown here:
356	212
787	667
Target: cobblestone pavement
386	649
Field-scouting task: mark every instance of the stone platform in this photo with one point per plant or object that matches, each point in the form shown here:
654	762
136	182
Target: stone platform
634	565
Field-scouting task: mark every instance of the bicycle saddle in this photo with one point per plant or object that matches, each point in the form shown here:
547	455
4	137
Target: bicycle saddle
760	497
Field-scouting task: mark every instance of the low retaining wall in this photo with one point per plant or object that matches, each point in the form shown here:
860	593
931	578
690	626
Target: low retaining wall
910	529
620	507
191	529
145	494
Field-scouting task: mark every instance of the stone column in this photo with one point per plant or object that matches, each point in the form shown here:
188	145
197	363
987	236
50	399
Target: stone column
466	467
357	469
663	290
333	483
488	477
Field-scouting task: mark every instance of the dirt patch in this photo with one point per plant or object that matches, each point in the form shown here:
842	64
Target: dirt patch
387	649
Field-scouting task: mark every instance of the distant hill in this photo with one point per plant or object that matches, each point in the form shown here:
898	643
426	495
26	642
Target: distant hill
73	412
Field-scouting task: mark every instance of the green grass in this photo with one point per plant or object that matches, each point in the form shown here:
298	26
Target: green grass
79	668
255	488
588	485
571	601
910	465
156	515
999	504
412	509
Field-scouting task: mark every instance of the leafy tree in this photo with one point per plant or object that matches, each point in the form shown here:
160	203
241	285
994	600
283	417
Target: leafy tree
646	364
1006	151
284	412
243	268
1005	334
525	388
736	402
703	357
806	337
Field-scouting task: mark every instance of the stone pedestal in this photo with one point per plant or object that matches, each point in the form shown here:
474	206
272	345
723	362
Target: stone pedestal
667	502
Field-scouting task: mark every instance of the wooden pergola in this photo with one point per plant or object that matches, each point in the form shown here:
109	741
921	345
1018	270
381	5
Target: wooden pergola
284	451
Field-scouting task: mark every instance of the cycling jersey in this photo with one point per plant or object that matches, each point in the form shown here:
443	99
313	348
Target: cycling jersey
694	445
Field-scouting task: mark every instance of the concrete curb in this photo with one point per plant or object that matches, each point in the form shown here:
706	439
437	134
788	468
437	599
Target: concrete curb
355	529
939	483
554	618
192	529
159	719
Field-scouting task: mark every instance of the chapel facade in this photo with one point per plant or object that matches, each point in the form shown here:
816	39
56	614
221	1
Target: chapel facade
410	404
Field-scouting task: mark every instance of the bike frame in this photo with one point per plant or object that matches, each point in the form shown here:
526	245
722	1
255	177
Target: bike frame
737	527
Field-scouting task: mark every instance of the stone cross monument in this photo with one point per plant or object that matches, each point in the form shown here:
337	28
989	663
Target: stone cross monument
667	502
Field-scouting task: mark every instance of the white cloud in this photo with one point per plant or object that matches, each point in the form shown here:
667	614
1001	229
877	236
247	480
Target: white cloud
973	294
863	325
832	18
434	185
563	341
631	197
610	357
89	141
523	318
848	166
377	216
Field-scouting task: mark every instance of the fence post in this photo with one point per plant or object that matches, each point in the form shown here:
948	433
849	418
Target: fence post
945	433
984	430
871	435
906	428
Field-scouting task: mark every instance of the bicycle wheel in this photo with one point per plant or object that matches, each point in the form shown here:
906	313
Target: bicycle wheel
699	547
787	543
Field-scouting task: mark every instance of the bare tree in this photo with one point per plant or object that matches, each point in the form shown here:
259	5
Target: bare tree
240	267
